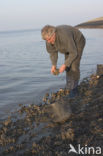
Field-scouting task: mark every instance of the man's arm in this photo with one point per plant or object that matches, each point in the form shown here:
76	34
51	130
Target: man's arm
54	58
71	48
53	53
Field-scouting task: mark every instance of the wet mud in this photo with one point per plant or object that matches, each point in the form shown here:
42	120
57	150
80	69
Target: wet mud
35	130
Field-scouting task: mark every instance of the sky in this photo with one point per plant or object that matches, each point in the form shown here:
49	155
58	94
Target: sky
34	14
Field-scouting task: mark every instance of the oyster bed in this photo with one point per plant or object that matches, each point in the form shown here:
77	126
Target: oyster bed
32	129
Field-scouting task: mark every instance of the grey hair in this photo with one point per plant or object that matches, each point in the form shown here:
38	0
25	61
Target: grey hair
47	30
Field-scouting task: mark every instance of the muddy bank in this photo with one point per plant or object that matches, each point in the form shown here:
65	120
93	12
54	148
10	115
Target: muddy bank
32	130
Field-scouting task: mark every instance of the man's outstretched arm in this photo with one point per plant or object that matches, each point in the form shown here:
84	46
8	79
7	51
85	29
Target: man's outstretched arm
54	58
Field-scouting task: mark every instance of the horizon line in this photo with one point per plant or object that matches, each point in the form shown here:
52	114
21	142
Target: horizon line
18	30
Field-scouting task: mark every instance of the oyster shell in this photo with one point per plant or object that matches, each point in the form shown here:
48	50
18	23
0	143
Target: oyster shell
56	72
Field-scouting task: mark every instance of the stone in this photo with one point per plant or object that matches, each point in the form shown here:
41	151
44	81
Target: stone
61	110
100	69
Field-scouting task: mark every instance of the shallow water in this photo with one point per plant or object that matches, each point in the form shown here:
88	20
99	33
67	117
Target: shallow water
25	66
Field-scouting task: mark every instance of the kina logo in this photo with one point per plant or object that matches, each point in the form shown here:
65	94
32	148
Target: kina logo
72	149
85	150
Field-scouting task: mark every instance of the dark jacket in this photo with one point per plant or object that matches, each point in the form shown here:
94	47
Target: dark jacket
68	40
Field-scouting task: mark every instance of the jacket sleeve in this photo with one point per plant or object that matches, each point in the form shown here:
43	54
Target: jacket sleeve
71	48
53	54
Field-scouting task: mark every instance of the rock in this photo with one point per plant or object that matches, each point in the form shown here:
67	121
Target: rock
44	99
3	136
47	94
7	122
100	69
61	110
98	76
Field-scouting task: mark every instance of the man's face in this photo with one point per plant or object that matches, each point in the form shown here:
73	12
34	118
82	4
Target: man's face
50	39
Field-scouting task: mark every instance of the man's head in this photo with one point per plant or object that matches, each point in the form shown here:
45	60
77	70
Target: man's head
48	33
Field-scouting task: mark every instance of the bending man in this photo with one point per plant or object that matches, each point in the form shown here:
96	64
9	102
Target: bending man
69	41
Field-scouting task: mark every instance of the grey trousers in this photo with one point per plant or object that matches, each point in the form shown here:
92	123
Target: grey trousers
73	75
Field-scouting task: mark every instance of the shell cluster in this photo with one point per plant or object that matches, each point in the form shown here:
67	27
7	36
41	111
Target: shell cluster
56	72
50	98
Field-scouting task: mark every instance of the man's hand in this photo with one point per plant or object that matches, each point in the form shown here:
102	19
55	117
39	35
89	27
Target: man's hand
53	68
62	68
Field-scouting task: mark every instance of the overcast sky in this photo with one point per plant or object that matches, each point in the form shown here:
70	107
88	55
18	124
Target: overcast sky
30	14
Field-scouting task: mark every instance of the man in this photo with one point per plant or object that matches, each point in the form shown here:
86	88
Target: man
69	41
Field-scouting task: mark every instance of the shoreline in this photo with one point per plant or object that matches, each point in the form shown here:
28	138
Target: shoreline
32	129
93	24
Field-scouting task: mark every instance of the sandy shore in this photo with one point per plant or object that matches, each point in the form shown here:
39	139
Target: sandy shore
95	23
32	130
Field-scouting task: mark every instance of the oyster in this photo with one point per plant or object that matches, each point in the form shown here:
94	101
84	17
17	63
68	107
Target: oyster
56	72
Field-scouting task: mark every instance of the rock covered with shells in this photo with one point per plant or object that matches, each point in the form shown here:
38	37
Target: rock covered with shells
31	130
52	97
